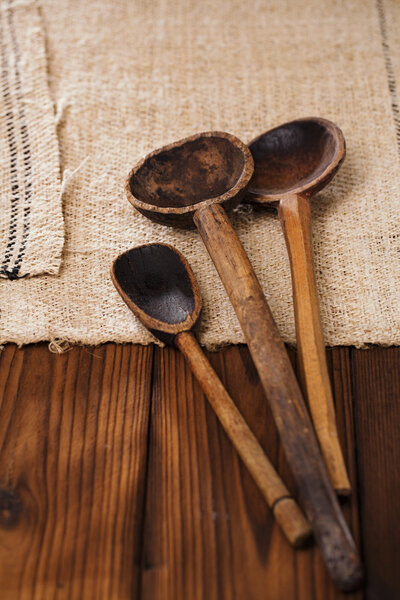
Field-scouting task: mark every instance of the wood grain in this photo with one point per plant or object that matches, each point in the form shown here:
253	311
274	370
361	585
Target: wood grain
73	442
295	216
208	533
284	397
87	512
286	511
376	385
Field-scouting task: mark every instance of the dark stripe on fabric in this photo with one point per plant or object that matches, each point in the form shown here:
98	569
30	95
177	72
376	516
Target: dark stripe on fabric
12	144
25	145
389	69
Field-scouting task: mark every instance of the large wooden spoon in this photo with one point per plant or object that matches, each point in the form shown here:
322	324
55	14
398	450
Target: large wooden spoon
158	285
193	180
293	162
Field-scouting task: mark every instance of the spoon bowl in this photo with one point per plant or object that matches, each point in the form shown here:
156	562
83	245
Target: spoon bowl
299	157
171	183
159	287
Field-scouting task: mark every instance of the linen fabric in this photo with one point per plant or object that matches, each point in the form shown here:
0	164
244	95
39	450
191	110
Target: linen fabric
31	222
127	77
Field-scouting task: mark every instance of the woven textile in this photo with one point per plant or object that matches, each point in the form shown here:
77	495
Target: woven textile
128	77
31	224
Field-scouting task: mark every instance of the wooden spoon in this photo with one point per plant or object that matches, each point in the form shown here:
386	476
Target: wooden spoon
158	285
193	180
293	162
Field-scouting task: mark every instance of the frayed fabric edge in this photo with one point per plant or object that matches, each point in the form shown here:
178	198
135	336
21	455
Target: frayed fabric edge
63	345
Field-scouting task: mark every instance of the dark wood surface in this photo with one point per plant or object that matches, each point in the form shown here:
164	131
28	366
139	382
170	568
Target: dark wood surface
117	481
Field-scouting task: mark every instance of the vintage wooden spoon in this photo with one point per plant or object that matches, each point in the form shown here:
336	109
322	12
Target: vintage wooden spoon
293	162
194	180
158	285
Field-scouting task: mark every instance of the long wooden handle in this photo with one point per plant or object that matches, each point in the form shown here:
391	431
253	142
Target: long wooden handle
282	390
278	497
294	213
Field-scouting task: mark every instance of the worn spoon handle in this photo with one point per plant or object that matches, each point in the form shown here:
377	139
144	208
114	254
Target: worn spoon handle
278	497
280	385
294	213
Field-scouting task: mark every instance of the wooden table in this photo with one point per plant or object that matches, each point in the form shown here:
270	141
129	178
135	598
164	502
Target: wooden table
118	482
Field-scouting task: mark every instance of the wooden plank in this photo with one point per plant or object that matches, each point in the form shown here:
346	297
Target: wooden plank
339	363
73	443
376	385
208	533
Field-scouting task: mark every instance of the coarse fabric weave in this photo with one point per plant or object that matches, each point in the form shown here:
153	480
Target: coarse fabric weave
31	222
128	77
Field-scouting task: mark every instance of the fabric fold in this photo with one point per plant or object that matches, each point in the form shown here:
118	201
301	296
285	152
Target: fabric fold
31	222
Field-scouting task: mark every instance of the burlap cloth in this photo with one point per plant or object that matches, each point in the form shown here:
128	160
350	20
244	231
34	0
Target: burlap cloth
127	77
31	222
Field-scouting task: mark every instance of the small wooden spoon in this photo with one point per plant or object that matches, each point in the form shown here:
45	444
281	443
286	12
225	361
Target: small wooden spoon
193	180
293	162
158	285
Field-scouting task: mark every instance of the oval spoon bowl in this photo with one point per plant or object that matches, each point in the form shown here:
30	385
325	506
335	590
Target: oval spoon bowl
159	287
169	184
298	157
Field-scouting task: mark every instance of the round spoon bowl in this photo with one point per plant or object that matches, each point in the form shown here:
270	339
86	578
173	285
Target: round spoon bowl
300	157
171	183
159	287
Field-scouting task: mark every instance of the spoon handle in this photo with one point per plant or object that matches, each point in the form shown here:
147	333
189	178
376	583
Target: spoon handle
282	390
294	213
278	497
